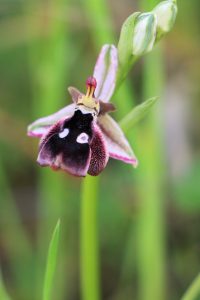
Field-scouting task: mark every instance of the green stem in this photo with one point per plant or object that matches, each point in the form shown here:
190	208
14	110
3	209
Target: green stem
123	71
151	255
89	241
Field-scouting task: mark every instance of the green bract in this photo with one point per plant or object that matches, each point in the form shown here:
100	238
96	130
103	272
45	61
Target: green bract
137	114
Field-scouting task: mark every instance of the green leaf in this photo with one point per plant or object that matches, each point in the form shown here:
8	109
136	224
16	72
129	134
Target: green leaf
193	292
137	114
3	293
51	263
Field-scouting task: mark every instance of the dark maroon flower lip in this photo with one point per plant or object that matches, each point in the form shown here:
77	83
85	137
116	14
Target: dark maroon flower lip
75	145
80	138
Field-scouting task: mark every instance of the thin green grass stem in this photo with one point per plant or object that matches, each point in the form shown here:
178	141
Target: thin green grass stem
151	219
89	240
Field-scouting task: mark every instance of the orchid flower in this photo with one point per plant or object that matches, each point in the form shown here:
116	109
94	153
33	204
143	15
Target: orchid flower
80	138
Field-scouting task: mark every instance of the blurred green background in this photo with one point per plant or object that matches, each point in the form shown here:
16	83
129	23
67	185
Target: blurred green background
45	46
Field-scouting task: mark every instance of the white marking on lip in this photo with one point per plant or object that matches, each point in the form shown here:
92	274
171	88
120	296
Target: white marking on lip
82	138
64	133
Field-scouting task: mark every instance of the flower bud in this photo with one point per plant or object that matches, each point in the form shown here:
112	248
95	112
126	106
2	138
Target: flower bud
144	33
125	40
165	12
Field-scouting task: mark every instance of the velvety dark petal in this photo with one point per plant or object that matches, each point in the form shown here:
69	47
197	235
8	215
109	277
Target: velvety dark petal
42	125
47	155
75	93
99	155
67	145
118	145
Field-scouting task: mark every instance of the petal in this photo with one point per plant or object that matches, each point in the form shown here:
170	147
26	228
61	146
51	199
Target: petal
99	155
105	72
64	147
118	145
75	93
106	107
38	132
42	125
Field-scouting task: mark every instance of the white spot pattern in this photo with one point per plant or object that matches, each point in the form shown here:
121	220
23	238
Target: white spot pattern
82	138
64	133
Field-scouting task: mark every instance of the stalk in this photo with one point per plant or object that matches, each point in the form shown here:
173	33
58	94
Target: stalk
151	218
151	228
97	14
89	240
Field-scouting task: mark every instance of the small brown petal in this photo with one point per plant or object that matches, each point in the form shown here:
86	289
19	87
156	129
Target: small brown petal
75	93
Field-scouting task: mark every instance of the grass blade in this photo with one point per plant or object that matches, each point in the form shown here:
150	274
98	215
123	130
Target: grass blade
193	292
51	263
